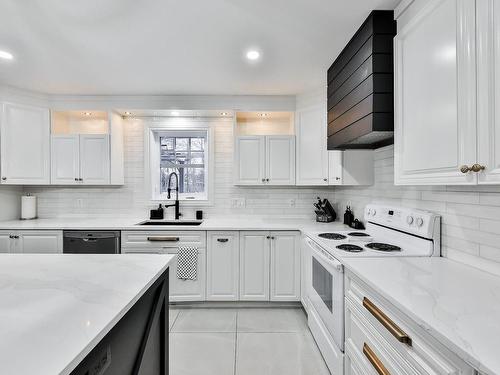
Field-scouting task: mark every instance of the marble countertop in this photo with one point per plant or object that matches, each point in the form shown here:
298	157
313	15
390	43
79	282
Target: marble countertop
216	223
457	304
55	308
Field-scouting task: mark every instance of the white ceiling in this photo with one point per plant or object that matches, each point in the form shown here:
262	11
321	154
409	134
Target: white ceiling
175	47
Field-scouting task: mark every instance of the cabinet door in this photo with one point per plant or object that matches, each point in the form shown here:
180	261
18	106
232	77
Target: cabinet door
188	290
285	266
435	84
223	263
5	242
254	266
42	242
65	159
312	154
335	167
488	86
94	159
250	159
280	160
25	145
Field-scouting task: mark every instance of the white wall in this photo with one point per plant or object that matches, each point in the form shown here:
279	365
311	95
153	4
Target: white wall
132	199
470	215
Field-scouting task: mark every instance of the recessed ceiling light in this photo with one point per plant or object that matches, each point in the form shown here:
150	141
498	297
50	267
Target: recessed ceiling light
87	113
263	114
253	55
6	55
223	113
128	113
175	113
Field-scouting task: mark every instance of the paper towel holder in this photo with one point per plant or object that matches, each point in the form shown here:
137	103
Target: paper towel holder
28	207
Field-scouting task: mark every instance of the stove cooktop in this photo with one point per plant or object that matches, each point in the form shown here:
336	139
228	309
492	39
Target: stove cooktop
332	236
379	246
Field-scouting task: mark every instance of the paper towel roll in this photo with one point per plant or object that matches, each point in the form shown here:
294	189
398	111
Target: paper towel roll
28	207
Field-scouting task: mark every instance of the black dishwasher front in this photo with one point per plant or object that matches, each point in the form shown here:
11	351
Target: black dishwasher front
91	242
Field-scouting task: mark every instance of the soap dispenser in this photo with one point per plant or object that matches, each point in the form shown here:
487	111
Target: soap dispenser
348	216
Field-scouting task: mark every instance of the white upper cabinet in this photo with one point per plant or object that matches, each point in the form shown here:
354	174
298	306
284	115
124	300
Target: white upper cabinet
265	160
350	167
280	160
435	93
65	159
488	85
312	154
250	160
94	159
25	145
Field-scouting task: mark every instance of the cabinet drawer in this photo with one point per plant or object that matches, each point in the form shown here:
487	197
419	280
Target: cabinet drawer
162	239
399	333
366	349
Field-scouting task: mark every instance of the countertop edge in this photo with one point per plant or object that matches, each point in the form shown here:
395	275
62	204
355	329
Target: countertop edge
92	344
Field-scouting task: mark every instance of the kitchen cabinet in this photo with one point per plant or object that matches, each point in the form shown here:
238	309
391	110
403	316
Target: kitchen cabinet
24	145
94	159
80	159
31	241
5	241
375	329
250	160
168	242
269	266
43	242
435	94
254	266
285	266
312	154
223	266
65	160
488	90
350	167
265	160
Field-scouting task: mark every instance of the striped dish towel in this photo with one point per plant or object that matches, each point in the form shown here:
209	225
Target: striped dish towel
187	263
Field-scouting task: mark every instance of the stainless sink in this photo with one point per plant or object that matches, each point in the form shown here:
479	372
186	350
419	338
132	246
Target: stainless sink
171	222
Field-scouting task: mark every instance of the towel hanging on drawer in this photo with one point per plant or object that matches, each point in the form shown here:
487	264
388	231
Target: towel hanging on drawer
187	263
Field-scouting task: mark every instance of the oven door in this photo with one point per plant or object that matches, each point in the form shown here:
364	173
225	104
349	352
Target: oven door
326	291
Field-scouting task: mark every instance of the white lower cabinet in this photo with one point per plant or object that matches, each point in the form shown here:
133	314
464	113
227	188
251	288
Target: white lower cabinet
378	335
285	266
254	266
223	264
31	242
168	242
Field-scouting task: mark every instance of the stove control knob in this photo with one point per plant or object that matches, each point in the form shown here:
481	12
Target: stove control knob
420	222
409	220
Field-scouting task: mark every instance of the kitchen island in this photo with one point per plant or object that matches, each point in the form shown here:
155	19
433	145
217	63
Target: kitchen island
81	314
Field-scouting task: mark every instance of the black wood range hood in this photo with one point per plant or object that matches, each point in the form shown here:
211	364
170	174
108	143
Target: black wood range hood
360	87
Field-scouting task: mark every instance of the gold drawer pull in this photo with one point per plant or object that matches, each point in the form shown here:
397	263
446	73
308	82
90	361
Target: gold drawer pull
158	239
392	327
376	363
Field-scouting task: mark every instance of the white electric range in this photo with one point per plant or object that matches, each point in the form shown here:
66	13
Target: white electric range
390	231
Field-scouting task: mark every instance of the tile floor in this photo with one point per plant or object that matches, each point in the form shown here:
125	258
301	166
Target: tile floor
252	341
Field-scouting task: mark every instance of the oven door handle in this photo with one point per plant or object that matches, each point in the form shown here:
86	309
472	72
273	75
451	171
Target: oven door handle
317	252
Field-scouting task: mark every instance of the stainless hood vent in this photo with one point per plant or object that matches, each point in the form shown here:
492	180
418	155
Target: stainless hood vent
360	87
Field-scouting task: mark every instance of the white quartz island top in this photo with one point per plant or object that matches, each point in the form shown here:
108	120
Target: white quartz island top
55	308
457	304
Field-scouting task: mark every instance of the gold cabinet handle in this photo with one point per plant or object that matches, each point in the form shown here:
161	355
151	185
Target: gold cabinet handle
477	168
464	169
388	324
376	363
161	239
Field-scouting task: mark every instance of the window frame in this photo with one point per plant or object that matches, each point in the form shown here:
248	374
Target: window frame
183	126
